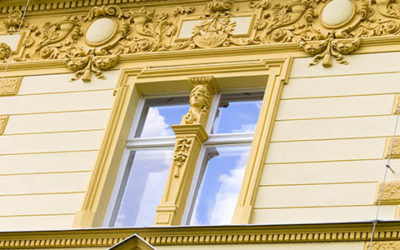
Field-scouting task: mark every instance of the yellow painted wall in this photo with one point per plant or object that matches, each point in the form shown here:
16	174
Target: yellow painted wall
326	151
49	148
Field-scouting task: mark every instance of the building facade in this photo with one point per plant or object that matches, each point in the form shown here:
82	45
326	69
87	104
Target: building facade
183	124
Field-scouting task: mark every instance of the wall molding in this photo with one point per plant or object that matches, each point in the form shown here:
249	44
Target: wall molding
387	233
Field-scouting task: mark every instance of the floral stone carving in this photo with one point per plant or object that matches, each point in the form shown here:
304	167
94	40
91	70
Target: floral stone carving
13	21
147	30
5	51
181	153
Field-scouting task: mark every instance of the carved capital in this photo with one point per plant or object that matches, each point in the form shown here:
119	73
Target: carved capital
391	193
204	88
396	147
3	123
10	86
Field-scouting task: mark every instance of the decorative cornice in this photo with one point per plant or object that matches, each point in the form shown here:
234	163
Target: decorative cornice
10	86
216	235
391	193
3	123
152	29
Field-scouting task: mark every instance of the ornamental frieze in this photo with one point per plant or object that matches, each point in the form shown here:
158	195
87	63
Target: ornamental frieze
90	43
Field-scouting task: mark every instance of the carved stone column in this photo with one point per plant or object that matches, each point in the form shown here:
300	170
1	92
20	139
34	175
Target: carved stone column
190	135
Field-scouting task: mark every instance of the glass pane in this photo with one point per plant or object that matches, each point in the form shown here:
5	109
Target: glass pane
159	114
147	175
220	185
237	113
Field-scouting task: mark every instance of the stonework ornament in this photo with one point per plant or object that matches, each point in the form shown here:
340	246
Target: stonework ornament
13	21
10	86
384	245
396	106
3	123
325	29
215	30
200	100
391	193
5	51
395	148
182	148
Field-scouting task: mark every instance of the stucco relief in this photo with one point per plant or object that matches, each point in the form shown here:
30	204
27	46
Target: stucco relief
13	21
316	26
390	194
384	245
393	151
182	148
3	123
10	86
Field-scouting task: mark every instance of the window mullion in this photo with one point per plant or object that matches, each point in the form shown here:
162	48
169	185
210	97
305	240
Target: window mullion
222	139
150	142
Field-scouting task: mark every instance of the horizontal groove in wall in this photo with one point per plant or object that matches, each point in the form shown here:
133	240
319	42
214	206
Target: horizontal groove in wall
332	117
57	112
319	184
331	206
324	97
45	173
53	152
277	163
339	75
67	92
53	132
33	194
335	139
33	215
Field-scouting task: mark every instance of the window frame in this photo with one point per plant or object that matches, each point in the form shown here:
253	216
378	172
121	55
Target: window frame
270	72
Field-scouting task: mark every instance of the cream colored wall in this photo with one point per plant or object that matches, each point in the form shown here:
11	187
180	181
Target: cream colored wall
326	153
49	148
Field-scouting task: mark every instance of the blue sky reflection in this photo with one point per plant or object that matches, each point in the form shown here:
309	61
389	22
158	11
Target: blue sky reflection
143	191
220	186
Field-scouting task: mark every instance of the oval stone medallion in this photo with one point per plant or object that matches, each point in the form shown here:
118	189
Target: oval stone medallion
100	31
337	12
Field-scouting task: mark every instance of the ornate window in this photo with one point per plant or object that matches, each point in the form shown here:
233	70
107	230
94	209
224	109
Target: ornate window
150	151
205	130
